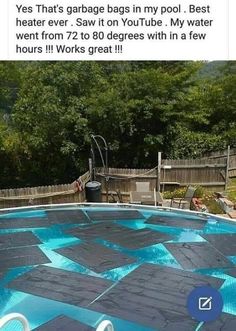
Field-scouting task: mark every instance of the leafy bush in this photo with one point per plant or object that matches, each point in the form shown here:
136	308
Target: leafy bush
213	207
200	192
178	193
232	190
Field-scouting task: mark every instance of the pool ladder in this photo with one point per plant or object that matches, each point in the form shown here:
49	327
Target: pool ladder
15	316
103	326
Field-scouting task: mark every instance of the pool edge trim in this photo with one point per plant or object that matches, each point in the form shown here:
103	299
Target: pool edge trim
112	205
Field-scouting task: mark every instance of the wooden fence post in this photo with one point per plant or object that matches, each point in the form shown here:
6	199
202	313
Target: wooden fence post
227	169
158	173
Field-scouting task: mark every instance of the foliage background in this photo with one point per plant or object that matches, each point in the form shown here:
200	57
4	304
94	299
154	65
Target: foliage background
48	110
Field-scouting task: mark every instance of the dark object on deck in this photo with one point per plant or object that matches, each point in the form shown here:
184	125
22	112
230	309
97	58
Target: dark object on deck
154	296
65	286
95	257
63	323
197	224
67	216
224	242
113	215
220	195
226	322
19	223
23	256
198	255
11	240
93	192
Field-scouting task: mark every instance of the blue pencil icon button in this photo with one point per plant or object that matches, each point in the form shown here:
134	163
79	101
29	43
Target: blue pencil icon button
205	304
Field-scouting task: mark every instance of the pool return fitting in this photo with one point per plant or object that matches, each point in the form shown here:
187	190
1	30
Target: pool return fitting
103	326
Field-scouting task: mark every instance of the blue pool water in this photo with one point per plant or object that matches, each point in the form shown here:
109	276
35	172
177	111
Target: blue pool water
39	310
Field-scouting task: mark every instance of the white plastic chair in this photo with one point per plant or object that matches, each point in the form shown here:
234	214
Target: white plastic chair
15	316
105	326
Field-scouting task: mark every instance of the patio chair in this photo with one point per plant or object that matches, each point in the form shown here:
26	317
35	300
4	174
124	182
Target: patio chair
112	198
184	203
147	198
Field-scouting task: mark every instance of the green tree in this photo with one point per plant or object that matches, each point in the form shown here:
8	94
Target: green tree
136	108
223	105
50	109
9	82
50	112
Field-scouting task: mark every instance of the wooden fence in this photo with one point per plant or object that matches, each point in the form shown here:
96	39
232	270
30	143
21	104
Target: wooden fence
64	193
204	172
209	173
222	153
232	159
232	166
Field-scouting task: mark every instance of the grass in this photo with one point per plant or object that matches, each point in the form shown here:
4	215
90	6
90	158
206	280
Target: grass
232	190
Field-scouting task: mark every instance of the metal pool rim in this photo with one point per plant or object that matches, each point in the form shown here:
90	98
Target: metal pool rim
119	205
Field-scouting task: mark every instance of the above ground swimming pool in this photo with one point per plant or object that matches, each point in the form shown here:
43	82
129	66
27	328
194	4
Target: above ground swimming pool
70	267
